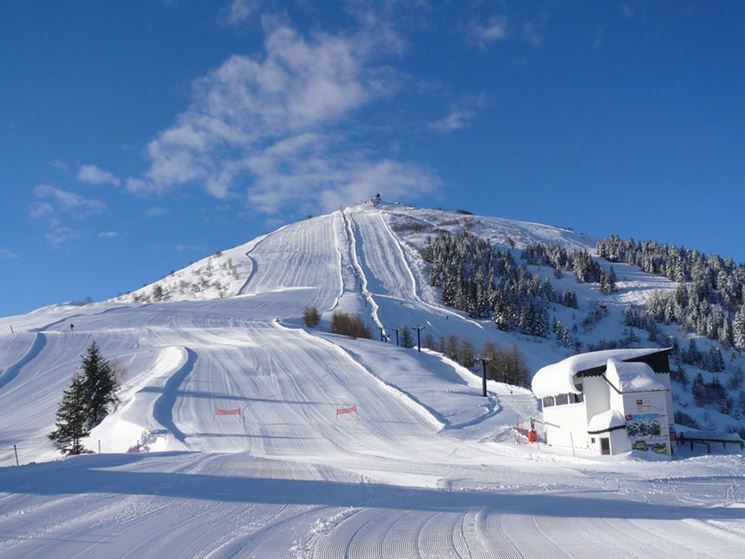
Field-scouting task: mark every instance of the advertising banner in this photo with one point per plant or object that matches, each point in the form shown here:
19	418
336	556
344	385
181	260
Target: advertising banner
648	432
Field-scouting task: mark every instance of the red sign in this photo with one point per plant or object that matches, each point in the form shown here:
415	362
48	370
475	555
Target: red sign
350	409
234	411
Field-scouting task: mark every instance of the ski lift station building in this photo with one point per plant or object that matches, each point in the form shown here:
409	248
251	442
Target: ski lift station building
610	401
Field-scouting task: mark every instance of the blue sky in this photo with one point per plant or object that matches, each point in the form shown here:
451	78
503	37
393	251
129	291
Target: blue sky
138	136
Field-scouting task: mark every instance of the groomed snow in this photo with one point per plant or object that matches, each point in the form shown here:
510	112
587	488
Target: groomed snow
427	467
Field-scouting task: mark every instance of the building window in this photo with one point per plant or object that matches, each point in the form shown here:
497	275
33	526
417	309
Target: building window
548	401
562	399
592	440
576	398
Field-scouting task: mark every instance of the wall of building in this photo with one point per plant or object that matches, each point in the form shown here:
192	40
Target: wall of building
648	421
648	413
566	425
597	395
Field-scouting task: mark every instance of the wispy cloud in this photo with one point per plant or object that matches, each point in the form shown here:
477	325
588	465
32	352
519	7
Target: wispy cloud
55	204
238	11
535	29
306	170
454	120
108	235
485	33
41	209
96	175
61	235
273	123
56	199
8	254
460	114
156	211
60	166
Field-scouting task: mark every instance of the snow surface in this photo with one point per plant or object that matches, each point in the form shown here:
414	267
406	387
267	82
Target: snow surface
632	377
427	467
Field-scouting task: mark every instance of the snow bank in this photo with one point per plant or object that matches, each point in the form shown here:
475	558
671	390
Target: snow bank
632	377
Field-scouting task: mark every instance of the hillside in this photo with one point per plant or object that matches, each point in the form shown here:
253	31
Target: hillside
400	291
425	465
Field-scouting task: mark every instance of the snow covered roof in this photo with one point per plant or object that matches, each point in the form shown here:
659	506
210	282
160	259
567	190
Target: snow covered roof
632	377
558	378
606	421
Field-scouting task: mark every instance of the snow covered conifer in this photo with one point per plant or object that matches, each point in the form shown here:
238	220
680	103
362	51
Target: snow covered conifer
72	417
738	329
100	385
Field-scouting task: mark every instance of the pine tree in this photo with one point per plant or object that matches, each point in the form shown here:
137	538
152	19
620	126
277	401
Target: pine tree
612	279
699	390
88	400
72	417
100	385
738	329
569	299
563	335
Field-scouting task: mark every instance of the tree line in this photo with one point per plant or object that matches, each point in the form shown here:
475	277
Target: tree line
586	269
711	298
486	282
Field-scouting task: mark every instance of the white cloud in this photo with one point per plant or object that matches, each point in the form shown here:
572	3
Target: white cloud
454	120
272	125
60	166
41	209
306	171
9	254
238	11
483	34
96	175
460	114
535	29
108	235
54	203
62	200
61	235
156	212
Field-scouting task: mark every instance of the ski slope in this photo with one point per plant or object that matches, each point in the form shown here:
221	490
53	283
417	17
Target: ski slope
426	467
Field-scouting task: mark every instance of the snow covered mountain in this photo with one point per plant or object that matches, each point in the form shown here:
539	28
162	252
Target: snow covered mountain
424	465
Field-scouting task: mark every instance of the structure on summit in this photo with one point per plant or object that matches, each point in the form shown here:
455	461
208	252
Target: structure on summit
609	401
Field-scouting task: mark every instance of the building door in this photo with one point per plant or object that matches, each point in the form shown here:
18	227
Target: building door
604	445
